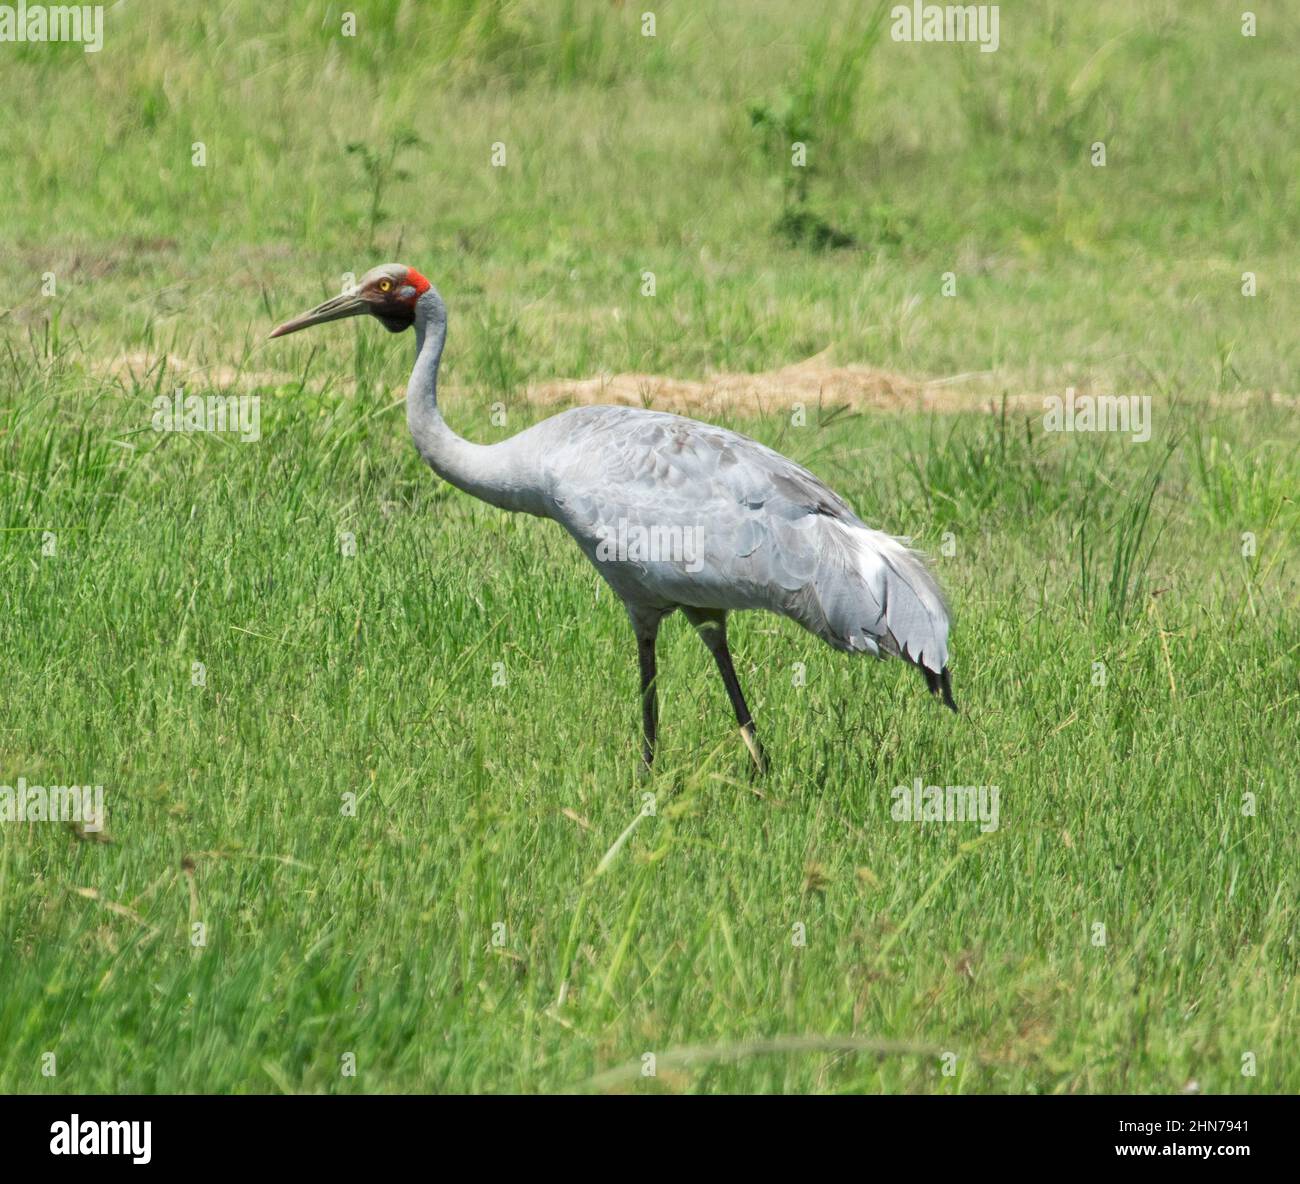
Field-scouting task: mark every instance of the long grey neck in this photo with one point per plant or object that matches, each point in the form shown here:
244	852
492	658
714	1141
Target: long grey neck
494	472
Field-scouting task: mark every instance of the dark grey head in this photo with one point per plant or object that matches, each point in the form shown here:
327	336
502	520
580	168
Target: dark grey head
387	292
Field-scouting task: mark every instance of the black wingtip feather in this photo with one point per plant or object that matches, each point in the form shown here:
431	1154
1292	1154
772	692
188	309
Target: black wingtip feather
945	683
940	684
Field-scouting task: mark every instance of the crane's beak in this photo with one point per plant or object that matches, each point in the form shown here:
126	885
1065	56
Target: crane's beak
350	304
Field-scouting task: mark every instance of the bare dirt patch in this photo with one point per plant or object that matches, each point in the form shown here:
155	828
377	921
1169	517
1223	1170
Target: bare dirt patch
814	383
817	383
140	368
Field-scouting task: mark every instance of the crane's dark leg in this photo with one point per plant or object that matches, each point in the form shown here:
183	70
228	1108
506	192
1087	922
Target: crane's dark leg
712	628
646	626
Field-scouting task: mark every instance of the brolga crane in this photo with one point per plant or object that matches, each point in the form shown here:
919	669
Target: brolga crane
675	514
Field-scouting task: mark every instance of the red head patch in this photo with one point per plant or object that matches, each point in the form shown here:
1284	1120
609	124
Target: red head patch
417	281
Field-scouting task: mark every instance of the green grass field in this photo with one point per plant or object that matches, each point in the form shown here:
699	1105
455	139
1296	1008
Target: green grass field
404	806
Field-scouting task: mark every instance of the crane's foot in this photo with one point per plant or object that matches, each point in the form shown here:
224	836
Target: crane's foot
760	765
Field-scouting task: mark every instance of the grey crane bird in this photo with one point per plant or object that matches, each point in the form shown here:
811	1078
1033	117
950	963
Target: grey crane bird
675	514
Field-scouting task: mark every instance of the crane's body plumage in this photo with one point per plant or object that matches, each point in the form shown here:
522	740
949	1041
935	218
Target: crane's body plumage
715	520
740	527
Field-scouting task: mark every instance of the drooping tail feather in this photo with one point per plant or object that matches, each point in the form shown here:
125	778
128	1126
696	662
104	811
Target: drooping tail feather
873	594
911	617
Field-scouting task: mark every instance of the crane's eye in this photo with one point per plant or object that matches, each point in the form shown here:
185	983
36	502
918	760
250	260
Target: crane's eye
384	285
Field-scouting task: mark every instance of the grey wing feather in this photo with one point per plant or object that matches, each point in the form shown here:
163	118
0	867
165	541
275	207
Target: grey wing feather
770	534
